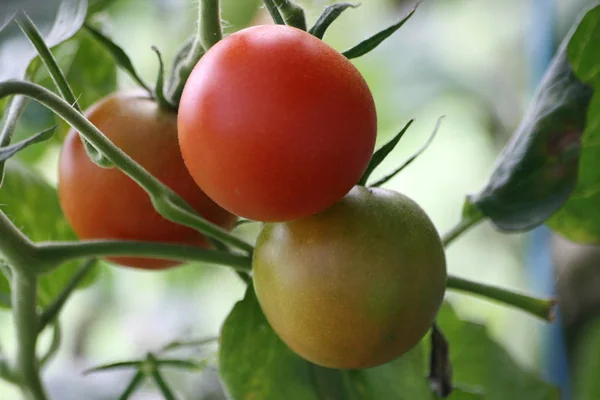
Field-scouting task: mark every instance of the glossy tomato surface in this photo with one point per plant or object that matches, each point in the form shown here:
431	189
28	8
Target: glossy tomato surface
355	286
275	125
106	204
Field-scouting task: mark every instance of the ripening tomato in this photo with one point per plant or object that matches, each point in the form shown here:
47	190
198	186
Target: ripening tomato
276	125
106	204
354	286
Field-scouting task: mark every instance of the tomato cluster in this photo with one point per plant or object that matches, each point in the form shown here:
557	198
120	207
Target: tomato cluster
274	125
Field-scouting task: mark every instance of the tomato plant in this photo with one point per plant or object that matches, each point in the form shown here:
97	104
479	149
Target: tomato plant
356	285
276	125
103	203
345	281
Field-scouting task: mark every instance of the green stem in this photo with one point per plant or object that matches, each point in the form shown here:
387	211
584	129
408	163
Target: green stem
15	246
51	313
464	225
54	345
13	113
35	37
542	308
167	202
59	252
272	8
24	300
209	20
292	13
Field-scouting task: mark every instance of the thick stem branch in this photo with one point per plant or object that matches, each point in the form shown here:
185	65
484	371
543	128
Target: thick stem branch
24	301
209	20
60	252
542	308
14	245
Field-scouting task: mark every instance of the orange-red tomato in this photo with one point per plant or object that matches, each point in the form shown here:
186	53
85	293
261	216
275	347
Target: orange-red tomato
356	285
275	125
106	204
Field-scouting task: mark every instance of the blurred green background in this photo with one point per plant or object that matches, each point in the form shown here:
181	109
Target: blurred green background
470	60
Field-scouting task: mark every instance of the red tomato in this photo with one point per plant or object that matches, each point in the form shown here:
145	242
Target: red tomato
275	125
106	204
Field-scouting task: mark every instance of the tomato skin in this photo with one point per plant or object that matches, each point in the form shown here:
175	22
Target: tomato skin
276	125
104	203
355	286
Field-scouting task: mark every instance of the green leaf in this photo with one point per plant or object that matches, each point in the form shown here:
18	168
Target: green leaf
33	206
383	152
8	152
537	171
412	158
480	362
255	364
133	385
578	220
119	55
371	43
329	15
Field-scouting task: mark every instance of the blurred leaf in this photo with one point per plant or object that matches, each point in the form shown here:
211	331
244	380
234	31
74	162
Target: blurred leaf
371	43
329	15
579	219
537	171
33	206
9	151
587	363
383	152
479	361
16	53
95	6
119	55
256	365
464	394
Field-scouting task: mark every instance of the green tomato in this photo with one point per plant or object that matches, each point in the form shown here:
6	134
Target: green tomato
355	286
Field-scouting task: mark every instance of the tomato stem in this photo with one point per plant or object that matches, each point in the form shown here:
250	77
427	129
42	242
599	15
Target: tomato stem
542	308
167	202
24	301
274	12
463	226
209	23
292	13
15	246
36	39
56	253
